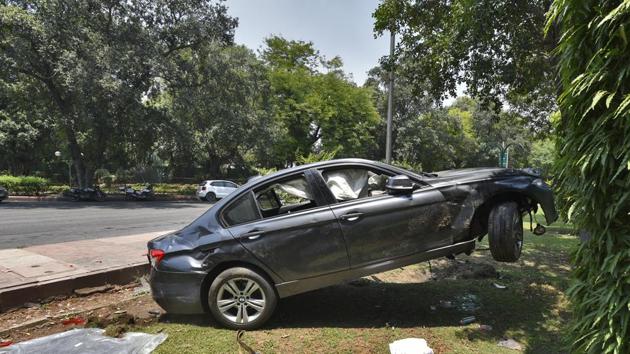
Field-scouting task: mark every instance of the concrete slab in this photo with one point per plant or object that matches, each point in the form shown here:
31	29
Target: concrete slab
29	265
41	271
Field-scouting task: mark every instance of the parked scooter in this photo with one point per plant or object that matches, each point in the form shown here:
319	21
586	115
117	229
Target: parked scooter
145	193
95	193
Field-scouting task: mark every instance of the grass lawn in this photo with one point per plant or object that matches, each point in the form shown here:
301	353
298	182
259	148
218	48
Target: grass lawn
367	315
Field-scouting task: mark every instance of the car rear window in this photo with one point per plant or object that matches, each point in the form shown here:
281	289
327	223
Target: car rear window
243	210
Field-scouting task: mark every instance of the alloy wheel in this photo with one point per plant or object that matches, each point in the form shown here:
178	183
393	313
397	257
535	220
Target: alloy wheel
241	300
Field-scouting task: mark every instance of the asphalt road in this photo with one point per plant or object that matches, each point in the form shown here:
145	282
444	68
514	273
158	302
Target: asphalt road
35	223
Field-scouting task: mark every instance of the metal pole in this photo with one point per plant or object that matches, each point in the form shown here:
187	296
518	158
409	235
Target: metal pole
390	99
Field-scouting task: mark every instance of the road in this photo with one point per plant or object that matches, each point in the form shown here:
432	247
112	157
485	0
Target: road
36	223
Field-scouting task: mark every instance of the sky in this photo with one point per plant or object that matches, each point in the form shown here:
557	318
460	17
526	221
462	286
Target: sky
336	27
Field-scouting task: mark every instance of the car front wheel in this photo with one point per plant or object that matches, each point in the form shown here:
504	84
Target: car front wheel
505	232
240	298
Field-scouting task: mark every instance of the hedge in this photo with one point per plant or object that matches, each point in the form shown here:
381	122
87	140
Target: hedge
24	184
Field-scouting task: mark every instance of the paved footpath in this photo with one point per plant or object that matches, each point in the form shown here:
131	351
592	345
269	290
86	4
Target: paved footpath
33	272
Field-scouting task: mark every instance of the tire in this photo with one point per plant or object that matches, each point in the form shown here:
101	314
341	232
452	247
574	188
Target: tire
505	232
211	197
100	196
227	303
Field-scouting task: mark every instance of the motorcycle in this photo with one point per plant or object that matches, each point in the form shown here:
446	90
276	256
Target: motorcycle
77	194
145	193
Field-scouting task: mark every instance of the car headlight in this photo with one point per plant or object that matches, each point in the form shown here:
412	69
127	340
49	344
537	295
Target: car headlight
538	182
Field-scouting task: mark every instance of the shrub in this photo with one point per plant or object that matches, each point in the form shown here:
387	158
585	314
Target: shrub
24	185
593	166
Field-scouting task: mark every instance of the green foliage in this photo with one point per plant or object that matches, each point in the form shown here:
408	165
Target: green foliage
542	155
316	157
96	62
172	188
592	169
314	110
27	185
495	47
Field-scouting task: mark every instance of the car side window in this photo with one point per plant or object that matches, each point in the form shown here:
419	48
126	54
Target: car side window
285	197
243	210
355	182
230	184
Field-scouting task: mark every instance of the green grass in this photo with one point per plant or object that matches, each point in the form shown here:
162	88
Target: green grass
366	316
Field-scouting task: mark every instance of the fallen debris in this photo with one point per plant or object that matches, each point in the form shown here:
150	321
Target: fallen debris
468	303
410	346
73	321
485	328
242	345
510	344
499	286
467	320
76	340
93	290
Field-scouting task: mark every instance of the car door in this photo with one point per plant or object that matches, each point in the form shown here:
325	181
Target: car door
378	226
295	234
222	188
230	187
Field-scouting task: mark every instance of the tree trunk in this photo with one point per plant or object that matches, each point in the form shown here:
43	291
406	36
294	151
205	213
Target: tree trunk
77	159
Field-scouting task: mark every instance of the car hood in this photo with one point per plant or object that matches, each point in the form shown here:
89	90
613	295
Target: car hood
480	173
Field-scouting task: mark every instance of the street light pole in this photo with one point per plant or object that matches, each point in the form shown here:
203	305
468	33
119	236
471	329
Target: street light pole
390	99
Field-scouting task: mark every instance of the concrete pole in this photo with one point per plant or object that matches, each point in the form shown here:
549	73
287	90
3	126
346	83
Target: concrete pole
390	99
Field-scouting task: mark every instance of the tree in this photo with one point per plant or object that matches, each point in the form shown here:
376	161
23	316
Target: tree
24	123
99	59
313	104
216	108
496	48
593	166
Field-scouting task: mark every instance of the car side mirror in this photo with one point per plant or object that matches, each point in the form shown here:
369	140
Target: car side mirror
400	184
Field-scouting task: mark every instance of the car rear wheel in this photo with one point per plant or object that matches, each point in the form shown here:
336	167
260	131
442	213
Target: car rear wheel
211	197
505	232
240	298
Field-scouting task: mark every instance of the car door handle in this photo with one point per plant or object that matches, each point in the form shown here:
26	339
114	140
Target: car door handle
252	235
351	216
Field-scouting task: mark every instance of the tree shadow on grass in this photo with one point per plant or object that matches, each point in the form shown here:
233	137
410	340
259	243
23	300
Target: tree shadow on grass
370	304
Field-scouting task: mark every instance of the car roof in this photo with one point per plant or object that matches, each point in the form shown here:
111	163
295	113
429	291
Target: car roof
322	164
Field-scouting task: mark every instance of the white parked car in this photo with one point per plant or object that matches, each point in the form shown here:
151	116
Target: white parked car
212	190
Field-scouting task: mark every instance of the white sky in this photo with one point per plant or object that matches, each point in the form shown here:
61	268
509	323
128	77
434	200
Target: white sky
336	27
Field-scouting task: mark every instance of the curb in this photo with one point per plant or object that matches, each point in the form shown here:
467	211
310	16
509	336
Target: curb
17	296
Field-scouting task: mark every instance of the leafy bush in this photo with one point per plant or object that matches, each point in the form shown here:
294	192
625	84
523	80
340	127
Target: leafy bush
57	188
169	188
593	166
24	185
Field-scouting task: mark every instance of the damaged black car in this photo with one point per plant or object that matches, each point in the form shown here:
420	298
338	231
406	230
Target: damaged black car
317	225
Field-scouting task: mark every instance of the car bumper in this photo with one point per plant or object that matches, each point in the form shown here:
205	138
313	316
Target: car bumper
177	293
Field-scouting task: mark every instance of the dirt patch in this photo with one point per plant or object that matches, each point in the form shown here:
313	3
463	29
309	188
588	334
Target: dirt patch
117	310
436	269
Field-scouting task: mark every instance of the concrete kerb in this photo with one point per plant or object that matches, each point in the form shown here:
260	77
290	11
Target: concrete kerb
37	291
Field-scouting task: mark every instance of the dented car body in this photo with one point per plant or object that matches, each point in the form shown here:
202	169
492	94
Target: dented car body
316	225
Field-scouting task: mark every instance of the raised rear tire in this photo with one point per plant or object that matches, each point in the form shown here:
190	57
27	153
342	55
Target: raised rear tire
240	298
505	232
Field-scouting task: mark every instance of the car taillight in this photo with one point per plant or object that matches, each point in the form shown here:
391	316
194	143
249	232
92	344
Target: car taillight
155	256
203	188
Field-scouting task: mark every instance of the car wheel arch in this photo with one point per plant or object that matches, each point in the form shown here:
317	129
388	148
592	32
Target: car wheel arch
479	222
221	267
